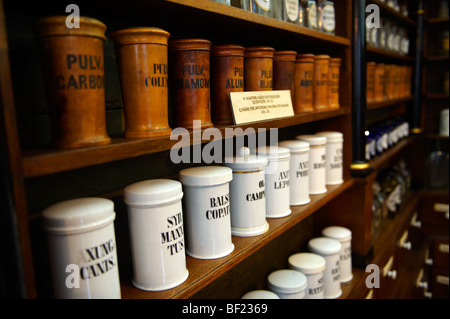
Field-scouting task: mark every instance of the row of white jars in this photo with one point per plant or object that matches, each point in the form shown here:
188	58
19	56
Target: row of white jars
317	274
156	218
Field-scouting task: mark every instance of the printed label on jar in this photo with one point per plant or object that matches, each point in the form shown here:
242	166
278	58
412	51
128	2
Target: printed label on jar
312	16
158	78
291	7
236	82
220	207
319	288
283	180
98	260
194	77
263	4
173	238
328	19
78	62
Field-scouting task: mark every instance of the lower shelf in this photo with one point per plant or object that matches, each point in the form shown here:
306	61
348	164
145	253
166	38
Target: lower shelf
204	272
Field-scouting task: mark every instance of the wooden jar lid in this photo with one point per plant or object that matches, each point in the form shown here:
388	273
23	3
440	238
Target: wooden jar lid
189	45
56	26
288	56
335	61
227	50
259	52
305	57
321	57
141	35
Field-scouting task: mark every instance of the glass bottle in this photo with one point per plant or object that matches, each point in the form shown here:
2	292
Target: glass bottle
227	2
310	13
291	11
263	7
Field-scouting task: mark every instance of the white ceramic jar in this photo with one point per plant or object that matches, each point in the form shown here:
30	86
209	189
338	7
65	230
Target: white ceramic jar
344	236
260	294
443	122
155	219
277	180
82	248
207	211
247	194
317	162
329	249
299	171
312	266
334	149
287	284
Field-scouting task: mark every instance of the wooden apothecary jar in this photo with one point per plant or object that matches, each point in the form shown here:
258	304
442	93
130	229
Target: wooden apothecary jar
73	64
333	80
304	78
379	82
142	61
227	75
284	71
189	78
370	82
321	82
258	68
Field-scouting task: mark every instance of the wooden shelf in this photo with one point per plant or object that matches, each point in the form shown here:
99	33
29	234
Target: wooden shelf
437	96
437	20
387	103
395	15
437	58
389	54
204	272
47	161
379	161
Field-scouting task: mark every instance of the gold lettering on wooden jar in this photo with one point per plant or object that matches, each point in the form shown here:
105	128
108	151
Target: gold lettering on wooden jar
333	88
370	81
304	78
284	71
189	74
258	68
321	82
142	60
73	63
227	75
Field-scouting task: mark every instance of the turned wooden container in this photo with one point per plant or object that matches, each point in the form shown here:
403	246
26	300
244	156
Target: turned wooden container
304	77
389	75
142	61
333	80
284	71
321	82
189	80
370	82
379	82
227	75
73	64
258	68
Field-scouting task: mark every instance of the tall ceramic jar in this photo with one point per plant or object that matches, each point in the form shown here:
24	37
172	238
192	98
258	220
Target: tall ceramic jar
344	236
227	75
74	78
334	157
303	101
142	59
258	68
190	82
82	248
317	162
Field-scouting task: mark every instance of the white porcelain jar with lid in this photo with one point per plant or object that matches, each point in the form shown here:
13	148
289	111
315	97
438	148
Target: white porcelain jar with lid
344	236
207	221
312	266
329	249
277	180
334	150
299	171
82	248
155	219
260	294
317	162
247	194
287	283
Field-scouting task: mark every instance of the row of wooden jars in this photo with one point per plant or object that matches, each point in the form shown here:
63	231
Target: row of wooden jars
199	76
387	82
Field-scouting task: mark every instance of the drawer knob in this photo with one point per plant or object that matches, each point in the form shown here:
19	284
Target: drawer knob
392	274
407	245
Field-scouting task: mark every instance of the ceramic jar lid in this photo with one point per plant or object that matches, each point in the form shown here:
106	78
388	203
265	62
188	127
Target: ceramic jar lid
78	215
206	175
307	263
295	146
337	232
332	137
287	281
153	192
313	139
324	246
260	294
246	162
274	152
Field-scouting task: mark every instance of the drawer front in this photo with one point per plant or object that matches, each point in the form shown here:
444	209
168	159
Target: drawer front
434	210
439	249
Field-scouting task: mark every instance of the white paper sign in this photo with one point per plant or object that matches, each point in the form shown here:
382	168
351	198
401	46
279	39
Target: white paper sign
254	106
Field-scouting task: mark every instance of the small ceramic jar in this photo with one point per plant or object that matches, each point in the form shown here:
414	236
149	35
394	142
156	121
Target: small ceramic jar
299	171
329	249
155	219
247	194
317	162
82	248
207	211
287	283
312	266
260	294
277	180
344	236
334	159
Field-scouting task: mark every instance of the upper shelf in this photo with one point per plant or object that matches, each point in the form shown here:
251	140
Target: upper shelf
393	14
48	161
388	55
